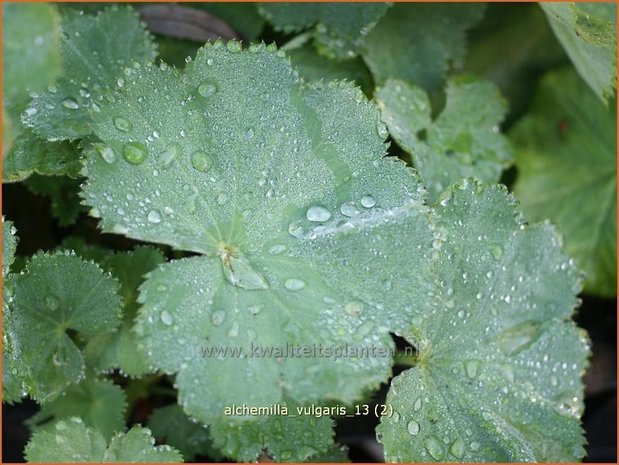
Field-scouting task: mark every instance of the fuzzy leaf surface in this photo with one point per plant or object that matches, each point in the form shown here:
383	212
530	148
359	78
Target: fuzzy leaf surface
57	298
241	162
73	441
419	42
566	155
464	139
99	403
339	29
588	32
9	245
98	51
499	362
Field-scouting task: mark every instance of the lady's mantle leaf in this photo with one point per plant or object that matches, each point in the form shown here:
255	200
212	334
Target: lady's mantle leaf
588	32
499	362
463	141
98	52
9	244
99	402
58	301
419	42
72	441
566	157
235	159
339	28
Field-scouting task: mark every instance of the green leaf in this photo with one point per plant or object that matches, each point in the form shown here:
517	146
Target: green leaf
240	184
9	245
339	29
243	18
30	52
120	349
499	362
171	425
588	32
337	454
566	154
419	42
8	134
463	141
281	438
30	153
99	52
73	441
58	299
99	402
63	194
314	67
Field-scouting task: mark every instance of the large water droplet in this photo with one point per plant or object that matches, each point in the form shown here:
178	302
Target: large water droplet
122	124
52	303
417	404
294	284
349	210
434	448
107	153
514	340
154	216
167	318
70	103
475	446
201	161
354	308
368	201
135	152
318	214
171	153
218	317
413	427
458	448
207	89
471	367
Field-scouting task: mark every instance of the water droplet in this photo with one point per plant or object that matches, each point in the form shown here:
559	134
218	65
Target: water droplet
471	367
413	427
222	199
120	82
52	303
434	448
475	445
514	340
295	229
171	153
167	318
354	308
218	317
234	46
154	216
201	161
135	152
294	284
70	103
457	448
249	133
496	251
107	153
349	210
417	404
207	89
255	309
368	201
234	330
122	124
381	129
318	214
277	249
61	425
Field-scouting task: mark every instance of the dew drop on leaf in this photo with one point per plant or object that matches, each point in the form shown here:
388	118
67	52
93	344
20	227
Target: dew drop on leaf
471	367
207	89
201	161
171	153
354	308
349	210
496	251
368	201
417	405
413	427
154	217
294	284
167	318
457	448
434	448
70	103
135	152
277	249
107	153
318	214
122	124
475	446
218	317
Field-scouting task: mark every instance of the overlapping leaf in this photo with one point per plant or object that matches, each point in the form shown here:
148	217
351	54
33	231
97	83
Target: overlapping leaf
58	301
72	441
463	141
339	28
566	155
497	376
588	32
98	402
63	196
9	245
98	52
238	163
419	42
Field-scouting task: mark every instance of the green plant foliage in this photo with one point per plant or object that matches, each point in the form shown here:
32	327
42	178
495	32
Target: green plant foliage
339	29
9	244
419	42
98	402
463	141
281	438
566	160
73	441
170	425
63	194
187	194
588	32
58	295
243	18
98	52
496	326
